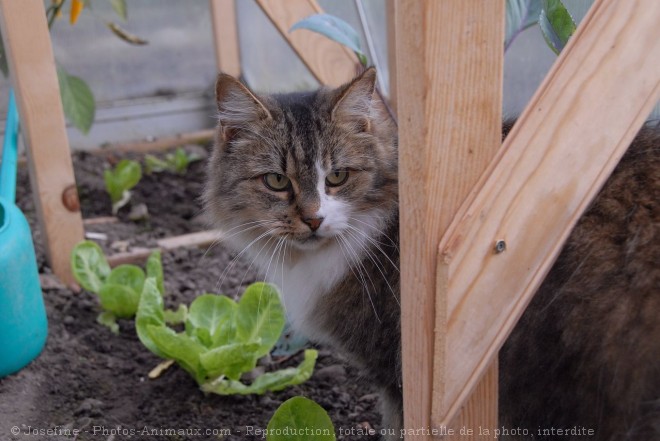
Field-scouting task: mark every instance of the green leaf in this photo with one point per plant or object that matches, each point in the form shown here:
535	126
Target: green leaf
176	317
150	313
230	360
155	269
297	417
335	29
260	316
520	15
556	24
119	180
120	8
179	347
77	100
130	276
215	315
153	164
106	318
89	265
120	300
272	381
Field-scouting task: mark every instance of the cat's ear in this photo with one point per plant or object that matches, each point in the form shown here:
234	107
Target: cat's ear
237	107
354	101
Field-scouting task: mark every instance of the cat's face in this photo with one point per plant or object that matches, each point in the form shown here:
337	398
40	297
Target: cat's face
301	169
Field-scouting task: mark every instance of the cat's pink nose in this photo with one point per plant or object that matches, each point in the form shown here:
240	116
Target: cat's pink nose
313	222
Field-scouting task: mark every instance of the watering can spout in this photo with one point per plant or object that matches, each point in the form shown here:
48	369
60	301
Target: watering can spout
9	153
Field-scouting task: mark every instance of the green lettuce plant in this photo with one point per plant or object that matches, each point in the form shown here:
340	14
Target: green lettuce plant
119	180
118	289
300	419
177	162
222	339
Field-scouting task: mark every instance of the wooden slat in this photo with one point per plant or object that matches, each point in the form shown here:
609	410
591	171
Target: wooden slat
33	76
449	66
331	63
563	148
140	254
158	144
225	33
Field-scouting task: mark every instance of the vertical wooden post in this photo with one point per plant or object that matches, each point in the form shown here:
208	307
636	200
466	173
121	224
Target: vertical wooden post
34	78
225	33
449	67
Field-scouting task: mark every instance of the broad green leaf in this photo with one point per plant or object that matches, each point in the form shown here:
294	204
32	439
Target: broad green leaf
211	312
520	15
179	347
89	265
77	100
176	317
260	316
150	313
335	29
182	160
202	335
120	8
155	269
556	24
129	276
120	300
300	415
108	319
272	381
230	360
119	180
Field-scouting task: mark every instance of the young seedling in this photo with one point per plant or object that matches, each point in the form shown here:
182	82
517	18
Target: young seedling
118	289
177	162
300	418
120	180
222	339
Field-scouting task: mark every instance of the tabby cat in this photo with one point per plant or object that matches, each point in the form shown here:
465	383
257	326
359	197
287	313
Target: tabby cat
305	185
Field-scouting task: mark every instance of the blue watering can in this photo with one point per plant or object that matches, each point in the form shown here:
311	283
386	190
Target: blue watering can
23	325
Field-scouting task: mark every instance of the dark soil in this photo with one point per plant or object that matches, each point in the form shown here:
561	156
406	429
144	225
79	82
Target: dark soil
93	381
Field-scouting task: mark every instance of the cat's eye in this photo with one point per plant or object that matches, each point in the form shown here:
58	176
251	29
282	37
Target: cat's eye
276	182
336	178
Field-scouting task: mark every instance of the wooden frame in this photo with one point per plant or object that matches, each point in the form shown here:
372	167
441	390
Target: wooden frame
480	293
34	79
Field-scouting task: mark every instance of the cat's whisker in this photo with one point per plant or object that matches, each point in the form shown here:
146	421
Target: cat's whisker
222	236
254	259
374	243
380	232
237	257
379	266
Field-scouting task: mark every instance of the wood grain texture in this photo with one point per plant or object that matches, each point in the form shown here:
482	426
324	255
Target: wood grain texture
554	161
225	35
449	70
331	63
158	144
34	79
